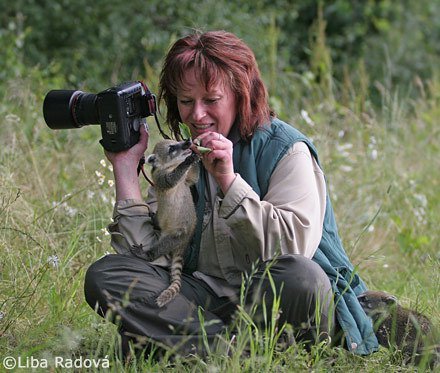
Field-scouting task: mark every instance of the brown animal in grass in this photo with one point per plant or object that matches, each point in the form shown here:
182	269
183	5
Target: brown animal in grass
408	330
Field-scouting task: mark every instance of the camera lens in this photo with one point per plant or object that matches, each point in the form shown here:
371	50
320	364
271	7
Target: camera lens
64	109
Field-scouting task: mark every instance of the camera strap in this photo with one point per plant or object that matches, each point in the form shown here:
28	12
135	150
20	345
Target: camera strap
152	106
164	135
141	168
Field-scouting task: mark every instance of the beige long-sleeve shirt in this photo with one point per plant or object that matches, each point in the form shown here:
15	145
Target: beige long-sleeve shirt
240	227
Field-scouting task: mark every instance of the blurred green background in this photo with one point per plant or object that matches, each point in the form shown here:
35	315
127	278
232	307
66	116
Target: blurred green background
96	44
361	78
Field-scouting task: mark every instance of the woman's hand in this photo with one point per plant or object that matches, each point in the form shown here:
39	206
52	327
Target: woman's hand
125	165
218	162
130	157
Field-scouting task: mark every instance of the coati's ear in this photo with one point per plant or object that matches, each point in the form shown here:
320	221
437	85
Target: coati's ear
151	159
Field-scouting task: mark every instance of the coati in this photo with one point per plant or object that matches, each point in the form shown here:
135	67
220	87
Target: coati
174	170
409	330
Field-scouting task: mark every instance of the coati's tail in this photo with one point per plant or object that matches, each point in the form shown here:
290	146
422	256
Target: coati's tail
176	281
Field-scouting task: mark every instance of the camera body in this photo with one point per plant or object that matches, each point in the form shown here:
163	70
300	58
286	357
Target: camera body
119	110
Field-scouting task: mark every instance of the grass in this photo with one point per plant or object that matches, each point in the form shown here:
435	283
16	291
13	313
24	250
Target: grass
56	198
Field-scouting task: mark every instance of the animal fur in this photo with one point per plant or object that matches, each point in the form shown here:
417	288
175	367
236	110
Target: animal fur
174	170
408	330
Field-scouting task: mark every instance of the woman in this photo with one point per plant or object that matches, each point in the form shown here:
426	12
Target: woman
261	198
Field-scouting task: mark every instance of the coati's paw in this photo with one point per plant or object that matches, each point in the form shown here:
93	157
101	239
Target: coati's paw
137	251
151	255
194	157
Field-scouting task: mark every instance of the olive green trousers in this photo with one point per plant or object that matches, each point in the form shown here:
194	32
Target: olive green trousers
125	289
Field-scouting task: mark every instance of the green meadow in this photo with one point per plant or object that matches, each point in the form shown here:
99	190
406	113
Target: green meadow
371	108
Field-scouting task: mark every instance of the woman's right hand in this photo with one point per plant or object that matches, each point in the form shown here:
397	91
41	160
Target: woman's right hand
125	165
130	157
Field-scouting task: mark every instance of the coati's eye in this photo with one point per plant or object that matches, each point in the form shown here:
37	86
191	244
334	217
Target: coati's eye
151	159
172	149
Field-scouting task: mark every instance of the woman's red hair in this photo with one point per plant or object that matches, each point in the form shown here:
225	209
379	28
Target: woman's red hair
216	56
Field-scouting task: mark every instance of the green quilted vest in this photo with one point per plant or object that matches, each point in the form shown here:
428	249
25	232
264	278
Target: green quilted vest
255	162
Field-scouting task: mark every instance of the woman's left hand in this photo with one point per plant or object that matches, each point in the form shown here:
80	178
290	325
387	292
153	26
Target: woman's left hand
218	162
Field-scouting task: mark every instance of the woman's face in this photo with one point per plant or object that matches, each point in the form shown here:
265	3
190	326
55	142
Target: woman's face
206	110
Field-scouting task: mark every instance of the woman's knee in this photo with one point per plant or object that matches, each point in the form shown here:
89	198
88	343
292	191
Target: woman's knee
94	273
98	272
305	292
298	273
297	280
94	283
117	277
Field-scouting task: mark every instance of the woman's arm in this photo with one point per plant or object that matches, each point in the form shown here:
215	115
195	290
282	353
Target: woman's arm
125	165
132	224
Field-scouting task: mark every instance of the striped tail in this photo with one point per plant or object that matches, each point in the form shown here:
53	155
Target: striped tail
176	281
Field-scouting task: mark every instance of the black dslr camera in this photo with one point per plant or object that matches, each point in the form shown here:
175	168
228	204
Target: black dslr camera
120	111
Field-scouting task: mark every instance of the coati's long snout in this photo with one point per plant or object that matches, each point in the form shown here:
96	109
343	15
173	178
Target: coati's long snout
187	144
376	301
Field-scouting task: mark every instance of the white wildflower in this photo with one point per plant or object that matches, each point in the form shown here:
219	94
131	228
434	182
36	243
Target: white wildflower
343	149
105	254
386	265
420	214
422	199
110	167
420	210
306	117
372	148
12	118
103	197
371	228
90	194
102	162
346	168
105	232
341	134
101	177
53	260
110	183
98	239
70	211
